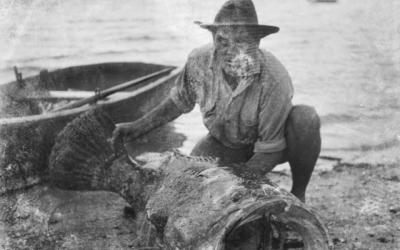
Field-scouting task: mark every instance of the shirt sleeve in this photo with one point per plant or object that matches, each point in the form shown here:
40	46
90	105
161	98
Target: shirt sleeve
183	94
274	110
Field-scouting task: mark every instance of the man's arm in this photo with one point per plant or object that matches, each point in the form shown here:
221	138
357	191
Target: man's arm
275	107
180	100
263	163
160	115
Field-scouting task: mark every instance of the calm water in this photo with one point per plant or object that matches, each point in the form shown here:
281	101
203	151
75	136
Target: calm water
344	58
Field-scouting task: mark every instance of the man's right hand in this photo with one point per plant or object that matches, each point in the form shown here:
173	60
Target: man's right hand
160	115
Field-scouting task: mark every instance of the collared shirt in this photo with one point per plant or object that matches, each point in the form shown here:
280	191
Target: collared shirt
252	114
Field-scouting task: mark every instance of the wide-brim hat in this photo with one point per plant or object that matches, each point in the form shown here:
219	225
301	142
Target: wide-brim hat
239	13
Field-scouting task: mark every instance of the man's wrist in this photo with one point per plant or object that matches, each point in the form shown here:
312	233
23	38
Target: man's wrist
127	129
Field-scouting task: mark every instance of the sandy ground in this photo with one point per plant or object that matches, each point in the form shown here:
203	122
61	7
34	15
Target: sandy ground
358	199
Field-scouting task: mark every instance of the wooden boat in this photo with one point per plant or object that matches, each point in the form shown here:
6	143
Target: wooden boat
27	134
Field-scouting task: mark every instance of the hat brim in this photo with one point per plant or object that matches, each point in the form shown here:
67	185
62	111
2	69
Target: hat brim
258	29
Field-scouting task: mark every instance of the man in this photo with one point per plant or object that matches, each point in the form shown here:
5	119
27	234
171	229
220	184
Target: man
244	94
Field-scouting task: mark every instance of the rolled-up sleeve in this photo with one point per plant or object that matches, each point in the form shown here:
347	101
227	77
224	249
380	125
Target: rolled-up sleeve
182	93
274	109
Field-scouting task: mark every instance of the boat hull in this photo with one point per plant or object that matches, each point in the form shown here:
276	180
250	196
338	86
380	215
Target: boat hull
26	141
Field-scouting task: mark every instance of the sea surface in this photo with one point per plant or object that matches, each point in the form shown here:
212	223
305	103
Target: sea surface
344	57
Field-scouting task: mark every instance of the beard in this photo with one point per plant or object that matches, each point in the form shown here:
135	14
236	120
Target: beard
240	65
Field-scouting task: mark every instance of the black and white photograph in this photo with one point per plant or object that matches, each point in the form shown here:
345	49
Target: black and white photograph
200	125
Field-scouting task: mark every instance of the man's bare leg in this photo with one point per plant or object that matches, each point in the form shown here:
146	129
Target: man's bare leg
303	146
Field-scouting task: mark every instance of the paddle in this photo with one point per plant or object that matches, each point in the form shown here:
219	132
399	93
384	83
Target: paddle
104	93
68	95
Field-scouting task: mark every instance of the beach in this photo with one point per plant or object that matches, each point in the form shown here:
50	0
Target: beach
343	58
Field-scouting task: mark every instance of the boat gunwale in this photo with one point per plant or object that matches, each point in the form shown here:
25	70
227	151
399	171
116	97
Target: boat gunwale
56	70
10	121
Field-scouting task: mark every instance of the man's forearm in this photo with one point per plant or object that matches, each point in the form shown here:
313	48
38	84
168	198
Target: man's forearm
160	115
264	162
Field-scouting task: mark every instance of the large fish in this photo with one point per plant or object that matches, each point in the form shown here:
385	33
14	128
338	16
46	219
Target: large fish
192	202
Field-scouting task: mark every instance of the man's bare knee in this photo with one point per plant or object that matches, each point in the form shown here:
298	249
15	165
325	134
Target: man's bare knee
304	116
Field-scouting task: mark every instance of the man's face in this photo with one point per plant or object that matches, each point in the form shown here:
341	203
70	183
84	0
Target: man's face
236	50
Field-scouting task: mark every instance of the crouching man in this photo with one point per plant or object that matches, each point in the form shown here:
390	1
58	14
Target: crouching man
244	94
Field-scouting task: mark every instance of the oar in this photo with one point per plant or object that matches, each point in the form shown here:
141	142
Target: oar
104	93
68	95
